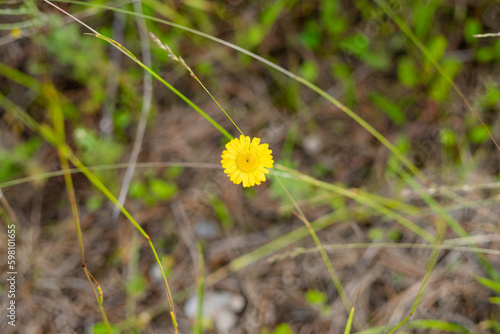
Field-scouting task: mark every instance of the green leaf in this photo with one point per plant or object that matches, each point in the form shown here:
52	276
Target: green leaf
484	55
472	27
495	286
93	203
316	298
376	233
311	35
137	190
309	70
163	189
283	329
136	285
494	300
389	108
423	14
438	325
356	44
478	134
100	328
436	47
393	163
330	18
440	87
408	72
173	172
448	137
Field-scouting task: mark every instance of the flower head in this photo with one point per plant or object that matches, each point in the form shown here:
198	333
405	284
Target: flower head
246	161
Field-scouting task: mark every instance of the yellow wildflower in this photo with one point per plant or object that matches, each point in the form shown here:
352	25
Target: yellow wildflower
246	161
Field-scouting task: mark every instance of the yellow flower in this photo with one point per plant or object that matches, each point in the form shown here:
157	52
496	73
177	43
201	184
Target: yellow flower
245	161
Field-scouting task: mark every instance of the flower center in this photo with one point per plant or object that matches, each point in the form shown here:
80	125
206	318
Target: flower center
246	161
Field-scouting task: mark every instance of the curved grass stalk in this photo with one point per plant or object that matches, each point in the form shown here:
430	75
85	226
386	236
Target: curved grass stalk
53	138
339	247
181	61
58	124
358	197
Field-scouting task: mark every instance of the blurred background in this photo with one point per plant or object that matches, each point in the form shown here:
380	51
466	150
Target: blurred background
257	280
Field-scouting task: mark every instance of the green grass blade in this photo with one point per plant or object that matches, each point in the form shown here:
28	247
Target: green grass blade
349	322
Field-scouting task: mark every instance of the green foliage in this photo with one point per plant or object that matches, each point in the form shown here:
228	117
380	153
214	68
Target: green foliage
253	35
153	190
20	159
95	150
309	70
408	72
436	47
161	189
71	49
490	284
472	27
283	328
423	16
331	17
100	328
438	325
390	108
441	86
94	203
393	164
318	300
315	297
310	36
376	234
448	137
478	134
137	285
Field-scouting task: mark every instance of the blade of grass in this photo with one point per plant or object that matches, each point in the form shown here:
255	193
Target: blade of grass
301	251
455	226
440	229
57	117
200	282
165	47
349	321
359	198
333	275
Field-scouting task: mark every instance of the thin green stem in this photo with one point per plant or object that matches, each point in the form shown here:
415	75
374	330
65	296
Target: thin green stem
172	55
300	214
361	199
